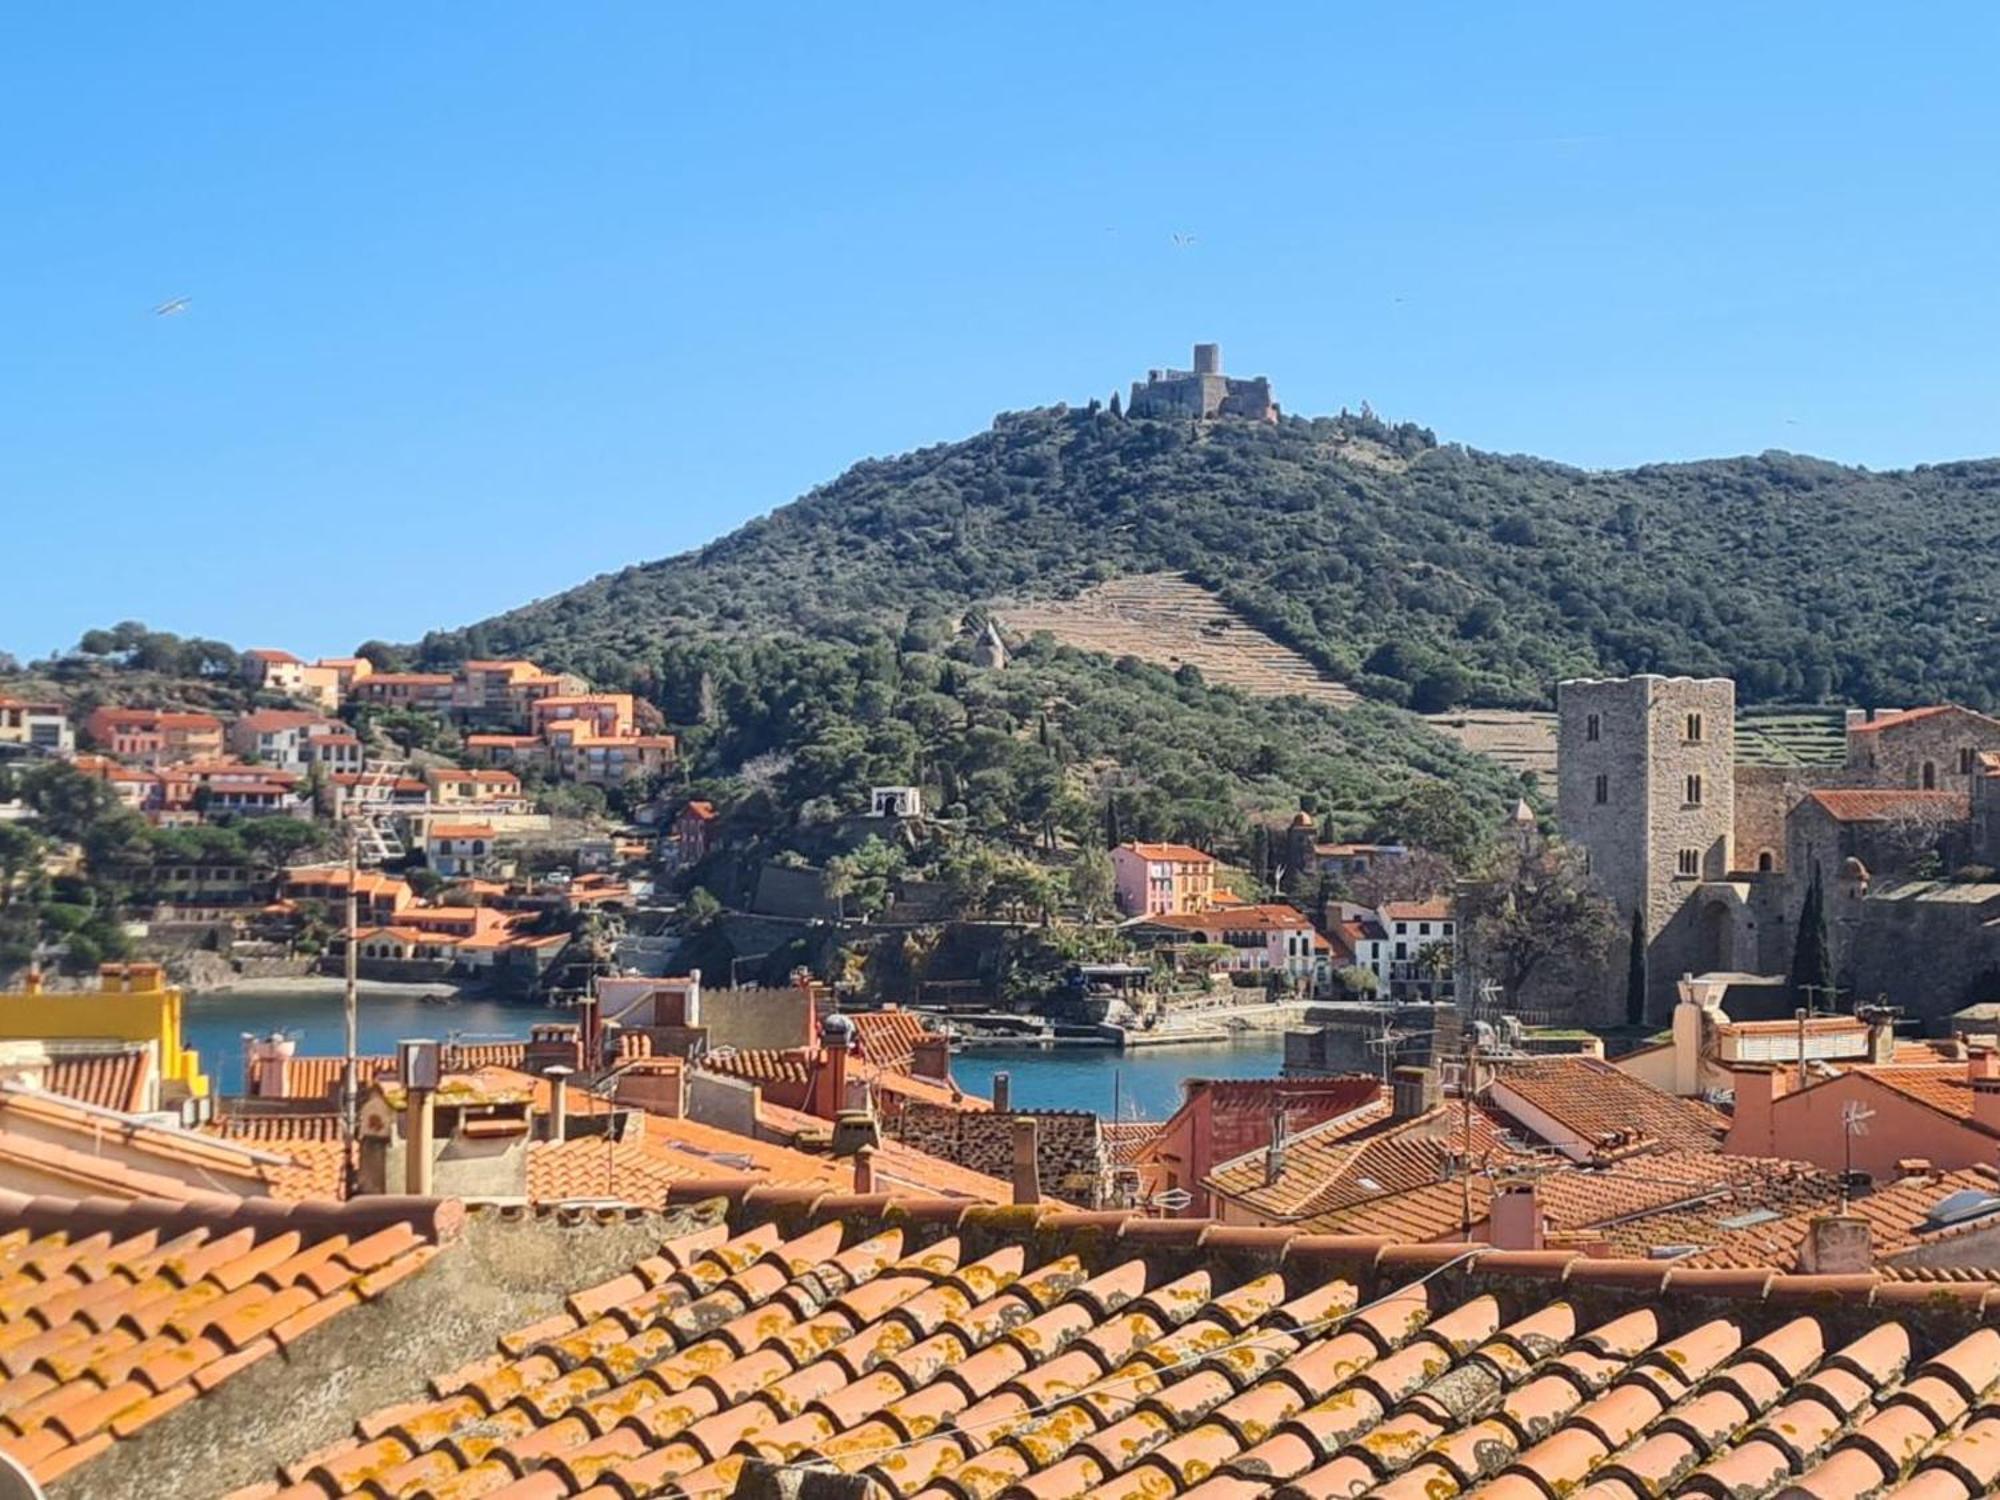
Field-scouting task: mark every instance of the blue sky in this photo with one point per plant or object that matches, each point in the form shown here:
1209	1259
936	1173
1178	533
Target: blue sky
488	299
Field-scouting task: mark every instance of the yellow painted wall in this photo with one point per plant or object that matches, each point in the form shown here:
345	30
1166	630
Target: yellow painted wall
133	1004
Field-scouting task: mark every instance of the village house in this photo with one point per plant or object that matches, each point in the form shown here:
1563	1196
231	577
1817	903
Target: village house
1871	1118
1420	937
295	740
324	683
458	848
153	737
607	714
424	692
1163	879
692	835
457	790
1260	940
515	752
607	760
34	728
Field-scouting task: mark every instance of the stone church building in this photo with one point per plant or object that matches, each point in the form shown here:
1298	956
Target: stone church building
1716	857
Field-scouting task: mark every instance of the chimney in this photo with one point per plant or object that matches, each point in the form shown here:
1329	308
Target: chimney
1909	1167
558	1077
1982	1062
1986	1103
1881	1036
931	1057
1003	1092
1027	1166
266	1060
1837	1245
830	1079
1413	1092
1515	1220
1753	1130
855	1130
864	1170
417	1064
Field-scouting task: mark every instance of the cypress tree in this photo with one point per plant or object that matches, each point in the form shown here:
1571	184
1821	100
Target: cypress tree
1112	837
1812	962
1117	410
1635	974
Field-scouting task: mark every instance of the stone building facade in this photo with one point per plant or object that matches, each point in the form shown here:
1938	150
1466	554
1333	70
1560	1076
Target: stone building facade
1646	788
1203	392
1718	857
1924	749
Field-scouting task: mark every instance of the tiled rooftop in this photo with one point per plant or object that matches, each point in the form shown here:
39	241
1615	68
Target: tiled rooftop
112	1316
927	1351
1605	1106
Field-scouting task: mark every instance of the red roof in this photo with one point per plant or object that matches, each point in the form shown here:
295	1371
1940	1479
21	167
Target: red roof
1184	853
112	1080
1607	1107
1914	715
1233	919
1880	806
1437	909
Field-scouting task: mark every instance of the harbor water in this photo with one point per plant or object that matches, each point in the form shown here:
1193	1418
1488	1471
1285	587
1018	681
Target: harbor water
1145	1083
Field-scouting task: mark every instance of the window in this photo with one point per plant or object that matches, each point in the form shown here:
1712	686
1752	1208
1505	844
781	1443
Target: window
1965	761
1602	791
1694	790
1402	950
1694	729
1445	928
1402	928
1588	863
1591	728
1423	929
1689	862
1930	776
1767	862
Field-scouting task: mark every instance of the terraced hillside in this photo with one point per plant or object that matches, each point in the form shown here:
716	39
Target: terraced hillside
1521	740
1791	737
1172	621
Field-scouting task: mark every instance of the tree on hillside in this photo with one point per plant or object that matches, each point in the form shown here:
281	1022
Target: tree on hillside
1532	907
1812	961
1435	815
1635	973
1093	882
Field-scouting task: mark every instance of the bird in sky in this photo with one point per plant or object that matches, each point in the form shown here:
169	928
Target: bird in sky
172	306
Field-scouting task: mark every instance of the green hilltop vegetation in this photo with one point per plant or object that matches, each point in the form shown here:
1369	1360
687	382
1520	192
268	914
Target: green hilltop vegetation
1400	565
824	646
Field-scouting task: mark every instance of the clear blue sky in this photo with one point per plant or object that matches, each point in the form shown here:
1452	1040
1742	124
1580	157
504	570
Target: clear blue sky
490	298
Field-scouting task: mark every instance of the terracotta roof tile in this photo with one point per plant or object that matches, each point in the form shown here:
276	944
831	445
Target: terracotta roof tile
1859	806
1600	1106
179	1296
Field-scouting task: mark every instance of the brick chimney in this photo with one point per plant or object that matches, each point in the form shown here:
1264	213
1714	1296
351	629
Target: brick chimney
1515	1221
1982	1062
829	1086
1027	1163
1837	1245
266	1061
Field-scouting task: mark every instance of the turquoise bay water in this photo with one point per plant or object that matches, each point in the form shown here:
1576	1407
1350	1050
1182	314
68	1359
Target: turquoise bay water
1148	1082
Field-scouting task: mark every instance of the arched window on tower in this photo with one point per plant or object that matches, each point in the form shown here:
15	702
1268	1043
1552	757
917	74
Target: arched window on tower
1930	776
1766	862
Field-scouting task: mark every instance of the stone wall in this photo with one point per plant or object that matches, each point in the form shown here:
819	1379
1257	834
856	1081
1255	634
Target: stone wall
1765	796
1930	949
1069	1148
1896	754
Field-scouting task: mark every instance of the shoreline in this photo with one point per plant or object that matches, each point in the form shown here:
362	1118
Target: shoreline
334	984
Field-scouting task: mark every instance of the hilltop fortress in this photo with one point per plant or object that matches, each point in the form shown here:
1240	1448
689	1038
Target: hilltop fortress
1202	392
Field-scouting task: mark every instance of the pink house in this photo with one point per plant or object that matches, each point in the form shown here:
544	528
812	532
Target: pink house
1946	1114
1156	880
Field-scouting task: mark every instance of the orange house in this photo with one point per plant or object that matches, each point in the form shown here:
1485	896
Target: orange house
1947	1114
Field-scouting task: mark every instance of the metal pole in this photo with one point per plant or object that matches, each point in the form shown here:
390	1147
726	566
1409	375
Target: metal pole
350	1093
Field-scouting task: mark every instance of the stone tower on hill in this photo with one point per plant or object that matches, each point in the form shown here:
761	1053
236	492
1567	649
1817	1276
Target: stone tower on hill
1646	785
1202	392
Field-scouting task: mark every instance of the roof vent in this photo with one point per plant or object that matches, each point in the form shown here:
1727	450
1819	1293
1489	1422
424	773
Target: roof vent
1750	1220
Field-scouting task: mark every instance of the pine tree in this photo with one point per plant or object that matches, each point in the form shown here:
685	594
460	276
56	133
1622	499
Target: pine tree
1812	962
1635	974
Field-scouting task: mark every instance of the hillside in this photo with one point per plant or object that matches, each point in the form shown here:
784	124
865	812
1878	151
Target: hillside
1415	572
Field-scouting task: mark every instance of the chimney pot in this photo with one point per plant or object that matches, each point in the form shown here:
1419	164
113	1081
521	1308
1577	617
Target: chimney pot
558	1077
864	1170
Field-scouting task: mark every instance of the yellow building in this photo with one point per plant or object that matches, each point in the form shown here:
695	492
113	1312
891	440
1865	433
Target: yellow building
132	1003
